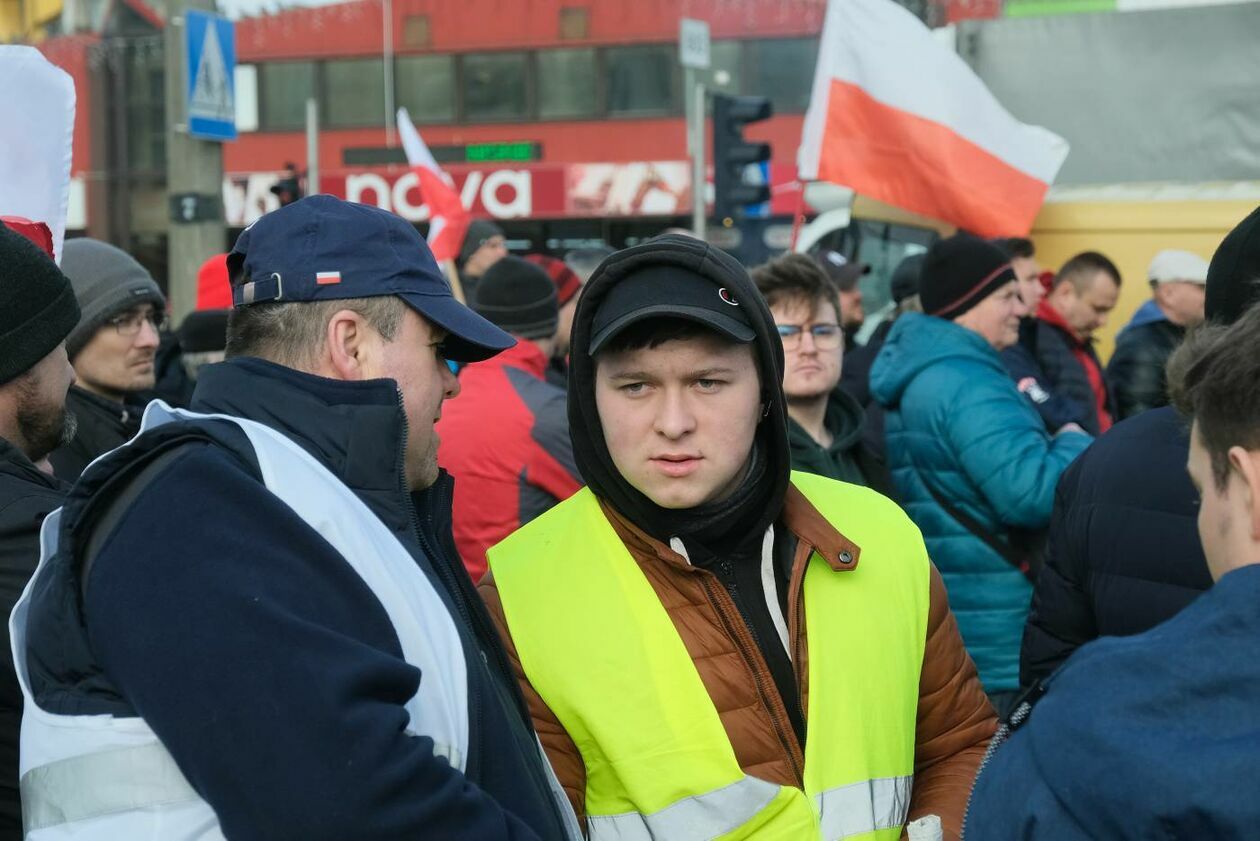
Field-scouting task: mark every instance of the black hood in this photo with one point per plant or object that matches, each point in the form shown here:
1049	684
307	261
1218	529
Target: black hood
762	503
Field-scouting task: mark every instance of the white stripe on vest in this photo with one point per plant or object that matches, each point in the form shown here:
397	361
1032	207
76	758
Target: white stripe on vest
101	777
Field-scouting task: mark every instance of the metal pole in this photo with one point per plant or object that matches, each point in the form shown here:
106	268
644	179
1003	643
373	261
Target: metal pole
387	52
193	166
312	147
696	90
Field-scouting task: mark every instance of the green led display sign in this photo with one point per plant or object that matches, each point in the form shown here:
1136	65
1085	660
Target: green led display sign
480	153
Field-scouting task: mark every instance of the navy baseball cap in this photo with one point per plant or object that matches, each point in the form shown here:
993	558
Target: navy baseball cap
322	248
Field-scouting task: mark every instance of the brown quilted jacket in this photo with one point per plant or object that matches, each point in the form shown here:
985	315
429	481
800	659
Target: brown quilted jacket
955	719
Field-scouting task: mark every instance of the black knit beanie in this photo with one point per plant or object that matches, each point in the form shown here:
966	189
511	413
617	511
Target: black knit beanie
518	296
479	230
203	331
1233	278
960	272
37	305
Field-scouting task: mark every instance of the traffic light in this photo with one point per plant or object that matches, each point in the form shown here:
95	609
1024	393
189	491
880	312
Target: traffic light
732	153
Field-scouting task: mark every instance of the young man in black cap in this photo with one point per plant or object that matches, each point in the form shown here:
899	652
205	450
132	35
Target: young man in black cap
506	439
251	621
846	275
37	312
658	618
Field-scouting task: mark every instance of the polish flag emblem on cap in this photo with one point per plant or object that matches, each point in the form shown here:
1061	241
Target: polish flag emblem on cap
326	278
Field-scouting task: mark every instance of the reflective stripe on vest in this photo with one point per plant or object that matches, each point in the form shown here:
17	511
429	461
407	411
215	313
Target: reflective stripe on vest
599	647
115	770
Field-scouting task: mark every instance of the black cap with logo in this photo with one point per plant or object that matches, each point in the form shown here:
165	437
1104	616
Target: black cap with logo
672	291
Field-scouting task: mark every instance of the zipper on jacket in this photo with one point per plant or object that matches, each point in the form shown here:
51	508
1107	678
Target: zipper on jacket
474	723
1003	733
459	587
738	633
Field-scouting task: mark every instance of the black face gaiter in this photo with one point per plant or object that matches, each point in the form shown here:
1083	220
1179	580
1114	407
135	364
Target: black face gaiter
718	527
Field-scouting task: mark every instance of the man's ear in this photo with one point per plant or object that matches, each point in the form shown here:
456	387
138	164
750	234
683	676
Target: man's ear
348	349
1247	463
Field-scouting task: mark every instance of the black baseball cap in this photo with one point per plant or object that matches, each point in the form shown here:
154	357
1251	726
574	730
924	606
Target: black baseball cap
674	292
843	272
322	248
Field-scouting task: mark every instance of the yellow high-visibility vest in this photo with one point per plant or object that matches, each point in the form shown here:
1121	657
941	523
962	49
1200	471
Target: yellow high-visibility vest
598	646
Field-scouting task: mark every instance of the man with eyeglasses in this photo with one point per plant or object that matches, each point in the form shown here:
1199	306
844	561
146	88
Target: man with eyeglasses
112	349
825	424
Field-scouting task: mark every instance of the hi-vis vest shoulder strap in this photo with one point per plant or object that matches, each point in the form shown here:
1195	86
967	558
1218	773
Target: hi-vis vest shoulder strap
600	649
101	777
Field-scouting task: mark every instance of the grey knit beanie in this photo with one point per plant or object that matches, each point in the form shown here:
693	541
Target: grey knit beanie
107	281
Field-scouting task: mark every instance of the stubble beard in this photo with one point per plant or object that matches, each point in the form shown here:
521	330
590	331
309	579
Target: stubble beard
43	427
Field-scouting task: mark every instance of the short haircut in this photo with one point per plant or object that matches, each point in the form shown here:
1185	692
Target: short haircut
1081	270
796	278
1208	378
1017	247
293	334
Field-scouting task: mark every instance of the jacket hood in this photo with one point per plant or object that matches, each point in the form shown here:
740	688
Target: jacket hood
844	421
916	343
1148	313
589	447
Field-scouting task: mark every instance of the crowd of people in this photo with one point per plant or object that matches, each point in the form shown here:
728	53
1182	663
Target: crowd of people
625	544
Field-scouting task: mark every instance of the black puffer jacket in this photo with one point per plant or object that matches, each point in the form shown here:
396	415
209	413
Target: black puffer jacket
27	496
1123	552
1136	369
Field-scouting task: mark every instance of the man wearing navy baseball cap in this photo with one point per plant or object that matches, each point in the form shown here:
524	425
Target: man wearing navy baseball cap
261	598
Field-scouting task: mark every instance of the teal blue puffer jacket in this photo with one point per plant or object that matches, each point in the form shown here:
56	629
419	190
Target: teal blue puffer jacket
956	424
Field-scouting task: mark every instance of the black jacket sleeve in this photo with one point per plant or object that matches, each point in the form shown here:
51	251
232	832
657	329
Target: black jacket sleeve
268	669
1031	381
1061	618
1136	373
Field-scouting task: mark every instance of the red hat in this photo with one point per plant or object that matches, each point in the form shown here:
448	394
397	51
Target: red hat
213	290
36	232
567	282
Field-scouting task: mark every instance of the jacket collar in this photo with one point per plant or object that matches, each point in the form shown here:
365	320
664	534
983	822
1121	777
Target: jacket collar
14	463
355	429
799	516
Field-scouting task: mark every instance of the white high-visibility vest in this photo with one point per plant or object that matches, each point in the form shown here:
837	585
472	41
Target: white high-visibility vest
110	778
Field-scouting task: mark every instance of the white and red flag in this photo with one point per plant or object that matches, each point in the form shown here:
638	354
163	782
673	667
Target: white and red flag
898	116
36	135
448	218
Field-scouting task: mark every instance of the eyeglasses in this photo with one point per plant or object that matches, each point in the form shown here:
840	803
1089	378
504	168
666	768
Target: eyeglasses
826	336
128	324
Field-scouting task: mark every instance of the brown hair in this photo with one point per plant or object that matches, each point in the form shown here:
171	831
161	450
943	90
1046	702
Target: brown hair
1214	380
795	277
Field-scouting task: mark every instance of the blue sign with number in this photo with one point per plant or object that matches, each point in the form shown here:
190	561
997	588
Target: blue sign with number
210	49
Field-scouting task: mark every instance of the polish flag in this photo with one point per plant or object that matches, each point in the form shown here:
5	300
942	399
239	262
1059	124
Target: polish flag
36	135
897	115
448	219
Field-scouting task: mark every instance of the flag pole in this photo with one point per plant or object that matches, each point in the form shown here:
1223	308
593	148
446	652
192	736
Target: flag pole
798	215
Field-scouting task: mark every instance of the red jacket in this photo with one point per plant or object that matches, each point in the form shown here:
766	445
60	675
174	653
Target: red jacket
505	439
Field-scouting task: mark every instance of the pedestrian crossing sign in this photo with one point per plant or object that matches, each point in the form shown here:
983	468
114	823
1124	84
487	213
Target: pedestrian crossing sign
210	48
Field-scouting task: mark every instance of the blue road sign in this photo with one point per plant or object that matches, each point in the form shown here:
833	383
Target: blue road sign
210	49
